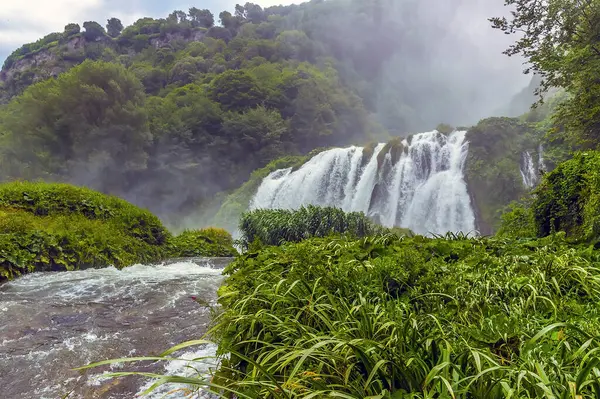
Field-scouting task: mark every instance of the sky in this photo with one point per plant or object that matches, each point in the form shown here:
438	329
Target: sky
25	21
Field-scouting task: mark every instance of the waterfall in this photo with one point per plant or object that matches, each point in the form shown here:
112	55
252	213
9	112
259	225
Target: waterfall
529	167
528	170
417	184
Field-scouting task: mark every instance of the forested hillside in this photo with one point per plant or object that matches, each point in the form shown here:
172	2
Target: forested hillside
169	112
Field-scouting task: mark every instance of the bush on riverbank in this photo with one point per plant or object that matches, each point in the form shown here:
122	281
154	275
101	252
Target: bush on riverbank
205	242
53	227
50	199
397	318
277	226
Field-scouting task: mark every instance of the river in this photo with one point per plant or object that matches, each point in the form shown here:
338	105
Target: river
53	322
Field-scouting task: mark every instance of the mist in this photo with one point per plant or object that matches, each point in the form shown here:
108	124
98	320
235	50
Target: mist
455	72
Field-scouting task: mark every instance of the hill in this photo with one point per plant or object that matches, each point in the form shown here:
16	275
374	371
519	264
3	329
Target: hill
178	109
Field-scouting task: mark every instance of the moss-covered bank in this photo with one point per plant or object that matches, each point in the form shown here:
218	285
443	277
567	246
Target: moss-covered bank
51	227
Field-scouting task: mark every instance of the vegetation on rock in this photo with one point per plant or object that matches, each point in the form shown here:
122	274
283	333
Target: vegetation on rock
46	227
204	242
568	199
53	227
238	201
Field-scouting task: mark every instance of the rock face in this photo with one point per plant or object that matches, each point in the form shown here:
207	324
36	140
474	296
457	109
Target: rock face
495	167
53	60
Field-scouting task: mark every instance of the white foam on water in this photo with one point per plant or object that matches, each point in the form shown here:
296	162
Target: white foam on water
196	364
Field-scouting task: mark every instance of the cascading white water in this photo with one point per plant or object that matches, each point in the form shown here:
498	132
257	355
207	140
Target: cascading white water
528	170
422	189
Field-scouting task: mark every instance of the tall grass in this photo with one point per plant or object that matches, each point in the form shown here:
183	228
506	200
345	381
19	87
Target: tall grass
274	227
383	317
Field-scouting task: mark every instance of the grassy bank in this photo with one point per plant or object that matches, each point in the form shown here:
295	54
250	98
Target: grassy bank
412	318
52	227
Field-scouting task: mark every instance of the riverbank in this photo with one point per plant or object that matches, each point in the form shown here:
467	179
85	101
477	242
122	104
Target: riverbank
53	227
379	316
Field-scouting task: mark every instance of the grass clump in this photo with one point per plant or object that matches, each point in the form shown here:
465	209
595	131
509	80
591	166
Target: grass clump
412	318
205	242
52	227
274	227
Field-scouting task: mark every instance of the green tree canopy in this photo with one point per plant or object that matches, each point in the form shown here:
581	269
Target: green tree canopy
92	114
114	27
93	30
561	42
201	18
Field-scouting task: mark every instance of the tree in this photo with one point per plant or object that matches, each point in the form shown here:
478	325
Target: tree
254	13
92	114
218	32
254	136
201	18
561	42
230	22
71	30
114	27
178	16
236	89
93	30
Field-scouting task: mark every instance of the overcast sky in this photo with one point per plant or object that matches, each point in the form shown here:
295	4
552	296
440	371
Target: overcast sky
25	21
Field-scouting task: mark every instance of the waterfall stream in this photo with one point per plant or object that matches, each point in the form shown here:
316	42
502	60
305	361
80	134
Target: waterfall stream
53	322
422	188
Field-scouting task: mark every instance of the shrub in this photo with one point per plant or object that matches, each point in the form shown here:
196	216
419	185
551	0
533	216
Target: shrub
49	227
518	221
31	243
274	227
419	318
206	242
568	199
48	199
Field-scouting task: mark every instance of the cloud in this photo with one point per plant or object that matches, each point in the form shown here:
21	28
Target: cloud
27	21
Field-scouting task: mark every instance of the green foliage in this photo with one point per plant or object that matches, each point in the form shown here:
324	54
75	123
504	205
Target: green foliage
568	199
49	199
213	110
518	221
201	18
418	318
274	227
205	242
93	31
71	30
444	128
91	117
49	227
492	170
236	90
114	27
560	41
